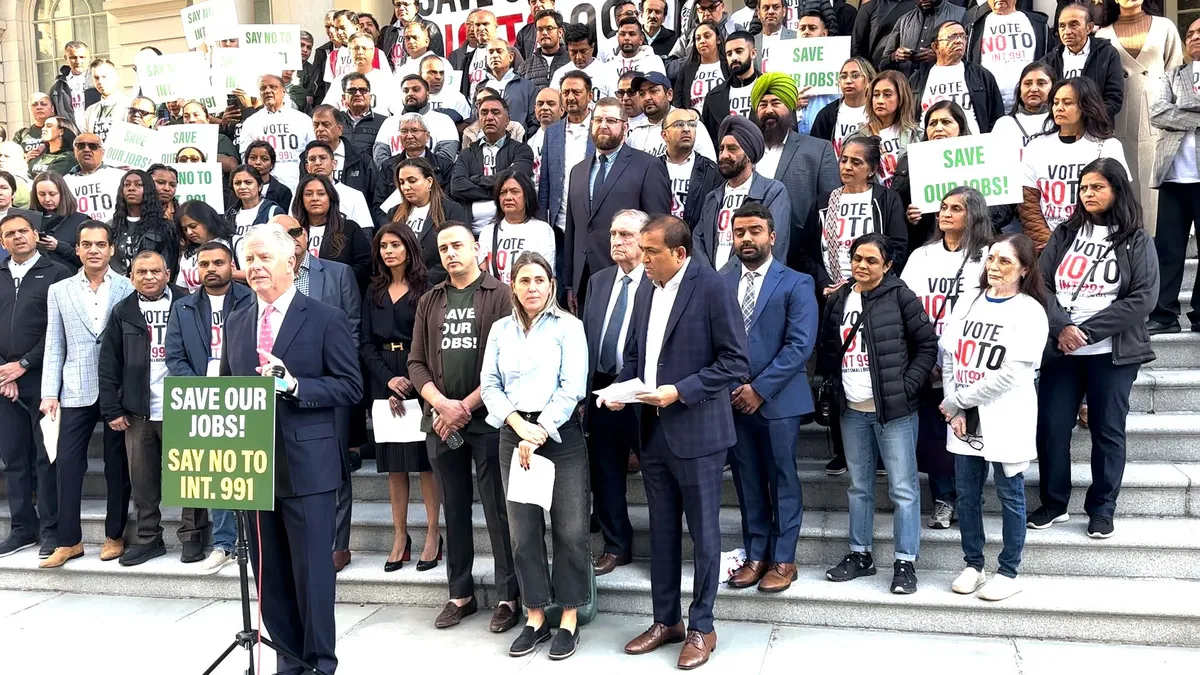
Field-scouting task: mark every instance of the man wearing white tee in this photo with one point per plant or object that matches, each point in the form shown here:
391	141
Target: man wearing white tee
446	100
113	105
692	175
1004	39
633	54
950	78
286	129
442	131
365	62
645	133
581	48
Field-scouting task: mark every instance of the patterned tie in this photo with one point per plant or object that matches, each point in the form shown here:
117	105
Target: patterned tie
608	348
749	300
266	341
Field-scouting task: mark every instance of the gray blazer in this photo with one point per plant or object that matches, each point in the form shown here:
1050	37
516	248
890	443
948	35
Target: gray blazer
1176	112
807	168
766	191
71	370
333	283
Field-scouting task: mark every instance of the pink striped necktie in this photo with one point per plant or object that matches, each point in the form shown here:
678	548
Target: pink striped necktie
266	341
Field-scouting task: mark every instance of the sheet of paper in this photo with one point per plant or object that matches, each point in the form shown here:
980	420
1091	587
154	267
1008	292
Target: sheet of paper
392	429
50	434
624	392
534	485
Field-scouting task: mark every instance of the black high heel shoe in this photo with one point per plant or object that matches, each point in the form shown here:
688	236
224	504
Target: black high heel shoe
425	565
393	565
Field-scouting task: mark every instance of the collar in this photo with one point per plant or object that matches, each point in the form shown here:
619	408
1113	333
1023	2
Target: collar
109	275
762	269
674	282
483	141
281	303
552	309
508	76
165	294
37	255
616	151
1087	48
635	274
691	156
306	263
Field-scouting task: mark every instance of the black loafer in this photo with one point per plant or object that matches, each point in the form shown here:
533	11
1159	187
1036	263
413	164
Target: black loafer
564	643
193	551
136	555
528	640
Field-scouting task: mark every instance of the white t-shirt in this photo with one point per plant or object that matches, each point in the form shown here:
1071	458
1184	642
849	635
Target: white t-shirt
156	314
739	100
477	69
416	219
1053	167
889	154
767	42
1008	44
681	177
949	83
316	235
217	345
734	197
354	205
708	77
450	99
1020	128
855	218
78	84
1101	288
289	131
932	274
1073	63
856	363
769	164
645	61
510	240
604	78
441	130
848	121
95	193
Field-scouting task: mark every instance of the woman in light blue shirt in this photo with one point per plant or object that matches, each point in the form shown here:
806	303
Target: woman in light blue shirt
534	375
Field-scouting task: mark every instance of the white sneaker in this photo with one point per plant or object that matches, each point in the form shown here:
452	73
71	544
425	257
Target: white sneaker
969	581
943	515
216	560
1000	588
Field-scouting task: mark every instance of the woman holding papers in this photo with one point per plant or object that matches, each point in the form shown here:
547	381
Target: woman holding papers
534	375
398	280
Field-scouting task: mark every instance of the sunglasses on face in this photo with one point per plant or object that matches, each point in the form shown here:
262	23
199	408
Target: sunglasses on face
139	114
295	232
87	146
357	90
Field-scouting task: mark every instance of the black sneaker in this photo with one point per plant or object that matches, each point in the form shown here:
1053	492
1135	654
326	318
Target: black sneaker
1100	527
13	544
47	548
1042	518
836	466
140	553
528	640
904	578
193	551
852	567
564	643
1160	328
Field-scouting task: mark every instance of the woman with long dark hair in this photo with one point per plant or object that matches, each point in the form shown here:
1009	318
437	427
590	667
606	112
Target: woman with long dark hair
1031	108
514	228
1100	270
398	280
138	223
843	117
200	223
1077	132
705	63
990	404
251	208
330	235
423	205
61	218
58	135
261	155
942	273
891	117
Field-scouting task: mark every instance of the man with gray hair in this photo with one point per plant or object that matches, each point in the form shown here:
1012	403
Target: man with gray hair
288	130
414	142
443	134
307	348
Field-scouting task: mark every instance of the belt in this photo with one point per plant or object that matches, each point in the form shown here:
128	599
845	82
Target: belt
392	346
529	416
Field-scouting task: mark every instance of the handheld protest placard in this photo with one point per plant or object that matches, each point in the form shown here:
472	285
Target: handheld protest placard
985	162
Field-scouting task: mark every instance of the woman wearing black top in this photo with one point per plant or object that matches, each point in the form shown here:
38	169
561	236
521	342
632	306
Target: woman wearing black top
423	206
261	156
707	50
330	235
389	308
51	197
139	224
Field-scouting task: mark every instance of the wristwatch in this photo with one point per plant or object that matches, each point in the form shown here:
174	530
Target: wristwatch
24	363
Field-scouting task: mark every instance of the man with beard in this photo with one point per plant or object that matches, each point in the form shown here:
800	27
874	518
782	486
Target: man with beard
406	14
645	133
548	109
911	47
290	130
364	62
416	100
692	175
528	38
349	167
969	85
612	177
773	15
446	100
566	143
732	97
741	147
551	54
99	116
517	91
779	310
361	121
633	54
475	170
661	38
581	48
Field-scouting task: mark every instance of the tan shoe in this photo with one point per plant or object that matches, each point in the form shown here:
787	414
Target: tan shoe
61	555
657	635
696	649
749	574
112	549
778	579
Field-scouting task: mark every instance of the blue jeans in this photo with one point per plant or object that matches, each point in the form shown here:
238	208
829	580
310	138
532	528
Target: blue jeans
896	442
224	530
970	474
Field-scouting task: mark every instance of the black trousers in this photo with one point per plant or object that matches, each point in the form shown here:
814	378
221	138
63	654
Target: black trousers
74	433
345	493
143	441
452	469
612	435
1178	217
29	476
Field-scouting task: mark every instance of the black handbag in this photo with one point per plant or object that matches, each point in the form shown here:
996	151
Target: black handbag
823	413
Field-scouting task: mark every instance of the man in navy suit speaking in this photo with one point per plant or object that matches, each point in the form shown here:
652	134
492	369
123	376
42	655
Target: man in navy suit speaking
306	345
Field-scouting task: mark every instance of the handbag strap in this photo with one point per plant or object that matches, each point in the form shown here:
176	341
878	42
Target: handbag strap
1095	266
496	247
957	276
862	316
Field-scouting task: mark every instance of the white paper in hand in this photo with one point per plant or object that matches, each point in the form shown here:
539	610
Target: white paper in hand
49	427
392	429
534	485
623	392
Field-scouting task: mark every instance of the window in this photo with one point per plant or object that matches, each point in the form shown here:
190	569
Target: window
57	22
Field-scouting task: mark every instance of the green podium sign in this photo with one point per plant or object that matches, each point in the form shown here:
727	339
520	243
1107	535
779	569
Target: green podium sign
219	443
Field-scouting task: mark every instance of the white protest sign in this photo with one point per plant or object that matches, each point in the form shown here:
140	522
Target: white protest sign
451	16
95	193
812	62
208	22
240	68
200	182
174	76
284	39
986	162
131	146
203	137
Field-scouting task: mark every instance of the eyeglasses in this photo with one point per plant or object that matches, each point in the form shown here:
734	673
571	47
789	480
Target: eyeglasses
709	8
87	146
683	124
547	29
139	114
957	37
846	77
295	232
609	121
188	159
412	132
622	93
357	90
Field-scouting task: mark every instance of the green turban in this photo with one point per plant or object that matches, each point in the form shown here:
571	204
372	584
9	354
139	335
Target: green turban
778	84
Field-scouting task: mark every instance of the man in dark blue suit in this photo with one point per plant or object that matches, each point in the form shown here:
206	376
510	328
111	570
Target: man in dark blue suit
686	323
307	346
779	311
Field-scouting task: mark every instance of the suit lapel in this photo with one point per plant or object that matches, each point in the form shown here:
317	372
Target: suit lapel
614	174
770	283
790	148
203	317
316	279
76	296
291	324
681	300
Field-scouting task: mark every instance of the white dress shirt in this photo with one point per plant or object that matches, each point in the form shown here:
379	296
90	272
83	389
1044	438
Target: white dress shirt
635	278
274	321
661	303
574	152
97	300
759	275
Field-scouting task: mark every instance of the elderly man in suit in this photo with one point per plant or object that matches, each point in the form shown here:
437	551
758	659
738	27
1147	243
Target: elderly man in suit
611	178
77	310
688	345
307	347
779	311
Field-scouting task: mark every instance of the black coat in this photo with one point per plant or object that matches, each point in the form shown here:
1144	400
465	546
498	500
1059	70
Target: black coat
467	182
1103	67
23	316
355	253
887	216
60	94
705	178
664	42
427	240
716	108
279	193
900	343
65	230
986	99
125	359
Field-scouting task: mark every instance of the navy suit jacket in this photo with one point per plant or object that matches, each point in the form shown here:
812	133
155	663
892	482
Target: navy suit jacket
703	354
636	180
783	332
314	343
333	283
554	170
189	329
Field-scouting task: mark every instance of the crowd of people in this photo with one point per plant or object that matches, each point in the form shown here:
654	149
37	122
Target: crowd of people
502	233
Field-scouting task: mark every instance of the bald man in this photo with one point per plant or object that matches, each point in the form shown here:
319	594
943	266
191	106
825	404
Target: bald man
517	91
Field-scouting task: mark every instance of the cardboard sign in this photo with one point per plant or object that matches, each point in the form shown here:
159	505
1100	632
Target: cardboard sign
240	68
173	76
218	443
812	62
200	182
208	22
176	137
284	39
986	162
132	147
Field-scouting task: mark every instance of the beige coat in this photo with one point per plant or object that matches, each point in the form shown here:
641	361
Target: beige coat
1162	52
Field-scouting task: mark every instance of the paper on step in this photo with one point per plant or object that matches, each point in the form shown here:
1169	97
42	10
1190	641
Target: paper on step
534	485
623	392
392	429
49	427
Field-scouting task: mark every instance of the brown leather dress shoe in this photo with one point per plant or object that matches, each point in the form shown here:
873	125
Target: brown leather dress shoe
608	562
779	578
340	560
452	614
657	635
112	549
696	649
749	574
61	555
504	618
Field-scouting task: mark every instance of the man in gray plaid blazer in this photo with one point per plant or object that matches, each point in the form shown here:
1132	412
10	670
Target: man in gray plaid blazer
77	311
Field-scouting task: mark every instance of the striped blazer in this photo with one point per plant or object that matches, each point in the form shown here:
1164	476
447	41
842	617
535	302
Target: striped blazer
71	367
